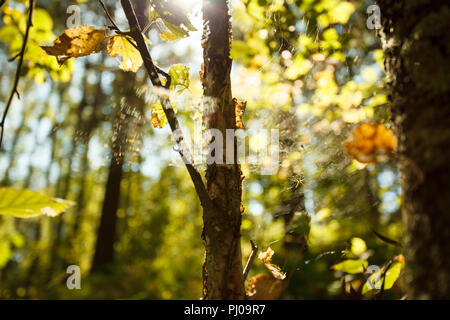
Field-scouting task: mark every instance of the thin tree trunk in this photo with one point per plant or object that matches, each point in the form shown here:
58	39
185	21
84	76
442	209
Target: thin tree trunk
416	43
104	250
222	270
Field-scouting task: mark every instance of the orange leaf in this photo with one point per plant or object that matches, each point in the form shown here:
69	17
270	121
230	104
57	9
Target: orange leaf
372	143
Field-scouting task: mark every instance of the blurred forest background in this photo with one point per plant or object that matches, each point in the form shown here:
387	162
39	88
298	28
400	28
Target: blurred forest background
310	68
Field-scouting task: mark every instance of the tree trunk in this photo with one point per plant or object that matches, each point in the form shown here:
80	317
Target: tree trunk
104	251
416	43
222	270
123	122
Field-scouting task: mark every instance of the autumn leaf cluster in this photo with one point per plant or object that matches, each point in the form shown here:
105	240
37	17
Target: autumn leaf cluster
86	40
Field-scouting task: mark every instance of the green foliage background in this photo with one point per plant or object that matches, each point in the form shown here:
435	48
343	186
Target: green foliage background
310	68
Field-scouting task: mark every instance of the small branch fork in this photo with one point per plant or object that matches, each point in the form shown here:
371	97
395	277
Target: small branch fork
250	261
116	28
153	72
110	18
20	55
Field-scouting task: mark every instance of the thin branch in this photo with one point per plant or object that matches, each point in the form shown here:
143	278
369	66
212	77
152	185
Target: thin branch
14	90
110	18
14	57
249	264
384	277
386	239
114	25
153	71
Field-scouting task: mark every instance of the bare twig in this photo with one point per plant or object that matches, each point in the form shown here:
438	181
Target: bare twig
114	25
249	264
14	90
14	57
387	240
110	18
153	71
384	277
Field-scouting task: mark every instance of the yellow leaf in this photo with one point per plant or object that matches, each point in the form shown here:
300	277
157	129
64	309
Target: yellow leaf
341	12
323	214
76	42
358	246
351	266
118	45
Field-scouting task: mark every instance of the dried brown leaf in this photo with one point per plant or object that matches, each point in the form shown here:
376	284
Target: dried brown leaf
76	42
265	258
264	287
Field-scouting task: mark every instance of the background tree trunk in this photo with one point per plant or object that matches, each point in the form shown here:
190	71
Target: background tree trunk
222	271
104	250
416	43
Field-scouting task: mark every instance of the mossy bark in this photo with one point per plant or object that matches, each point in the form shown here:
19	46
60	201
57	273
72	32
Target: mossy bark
416	42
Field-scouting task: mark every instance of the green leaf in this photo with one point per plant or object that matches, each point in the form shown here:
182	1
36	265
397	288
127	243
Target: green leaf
27	203
375	281
5	253
351	266
173	32
179	75
36	62
174	19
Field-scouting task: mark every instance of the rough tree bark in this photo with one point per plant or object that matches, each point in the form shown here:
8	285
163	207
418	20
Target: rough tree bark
221	232
416	43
